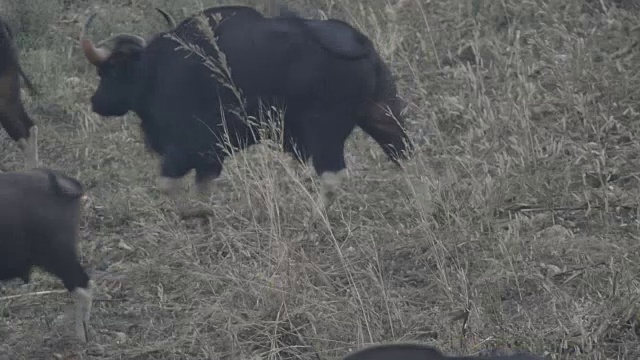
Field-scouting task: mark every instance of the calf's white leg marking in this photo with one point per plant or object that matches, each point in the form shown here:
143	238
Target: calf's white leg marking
84	301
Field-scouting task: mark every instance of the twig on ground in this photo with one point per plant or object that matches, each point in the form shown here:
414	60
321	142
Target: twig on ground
37	293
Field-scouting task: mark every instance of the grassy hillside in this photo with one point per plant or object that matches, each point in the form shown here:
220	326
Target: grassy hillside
515	226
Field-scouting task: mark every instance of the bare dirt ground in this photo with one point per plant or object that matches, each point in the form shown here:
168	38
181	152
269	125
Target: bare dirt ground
514	227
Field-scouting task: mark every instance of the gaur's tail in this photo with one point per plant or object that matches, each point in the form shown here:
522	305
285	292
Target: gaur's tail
63	185
383	120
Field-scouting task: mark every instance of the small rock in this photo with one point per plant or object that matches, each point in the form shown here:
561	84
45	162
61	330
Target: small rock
120	337
124	246
73	80
96	350
557	233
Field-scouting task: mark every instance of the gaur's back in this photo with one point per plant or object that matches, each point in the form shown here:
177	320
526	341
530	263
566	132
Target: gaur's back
275	56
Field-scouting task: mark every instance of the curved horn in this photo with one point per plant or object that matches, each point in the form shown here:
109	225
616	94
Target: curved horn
95	55
168	18
123	36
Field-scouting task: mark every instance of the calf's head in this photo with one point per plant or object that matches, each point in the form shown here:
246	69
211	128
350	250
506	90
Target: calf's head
116	60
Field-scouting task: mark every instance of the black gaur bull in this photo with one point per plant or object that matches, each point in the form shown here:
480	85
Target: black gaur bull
408	351
13	117
39	219
327	76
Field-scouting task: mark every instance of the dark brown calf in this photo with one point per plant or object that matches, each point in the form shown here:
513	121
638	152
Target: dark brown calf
407	351
39	219
13	117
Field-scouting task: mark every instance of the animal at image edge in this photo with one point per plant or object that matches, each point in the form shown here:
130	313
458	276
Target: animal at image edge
408	351
328	76
13	116
39	219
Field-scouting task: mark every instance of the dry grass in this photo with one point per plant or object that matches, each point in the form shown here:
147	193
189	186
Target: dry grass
515	226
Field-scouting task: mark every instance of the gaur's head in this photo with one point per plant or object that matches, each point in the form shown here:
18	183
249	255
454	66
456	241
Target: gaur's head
115	59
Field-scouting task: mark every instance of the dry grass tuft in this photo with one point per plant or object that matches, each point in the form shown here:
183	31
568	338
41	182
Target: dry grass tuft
515	226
